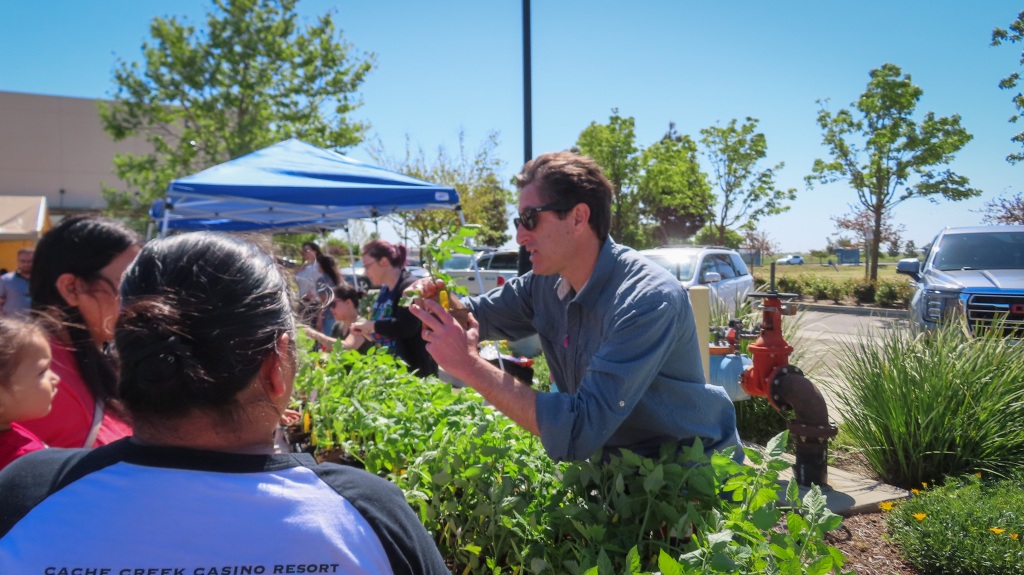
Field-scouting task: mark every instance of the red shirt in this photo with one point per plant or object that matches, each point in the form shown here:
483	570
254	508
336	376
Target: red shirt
15	442
70	418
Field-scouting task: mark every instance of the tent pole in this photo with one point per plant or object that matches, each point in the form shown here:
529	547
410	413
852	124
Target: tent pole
167	217
351	256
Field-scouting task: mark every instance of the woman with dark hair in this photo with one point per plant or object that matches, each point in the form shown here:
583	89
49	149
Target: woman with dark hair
76	275
345	309
207	346
315	279
391	325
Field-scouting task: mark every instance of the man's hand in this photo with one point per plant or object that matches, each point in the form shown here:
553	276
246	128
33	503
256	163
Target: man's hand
452	347
426	288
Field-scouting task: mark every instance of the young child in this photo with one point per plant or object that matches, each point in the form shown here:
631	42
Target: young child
27	385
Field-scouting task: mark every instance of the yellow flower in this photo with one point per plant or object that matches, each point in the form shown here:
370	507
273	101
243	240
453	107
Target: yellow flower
978	475
915	491
924	484
886	505
920	516
1014	536
996	530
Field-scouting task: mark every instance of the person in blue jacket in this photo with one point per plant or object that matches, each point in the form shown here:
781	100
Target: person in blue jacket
617	330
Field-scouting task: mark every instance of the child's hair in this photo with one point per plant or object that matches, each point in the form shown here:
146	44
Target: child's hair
14	334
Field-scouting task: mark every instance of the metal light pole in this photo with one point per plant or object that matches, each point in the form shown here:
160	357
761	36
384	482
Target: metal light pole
524	258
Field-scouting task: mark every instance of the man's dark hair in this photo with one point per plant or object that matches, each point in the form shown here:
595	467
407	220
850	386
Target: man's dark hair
570	179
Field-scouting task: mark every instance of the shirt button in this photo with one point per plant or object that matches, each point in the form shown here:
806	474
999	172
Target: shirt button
622	404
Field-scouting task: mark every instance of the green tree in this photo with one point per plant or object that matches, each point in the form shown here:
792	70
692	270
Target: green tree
747	191
661	195
712	236
613	147
673	189
251	78
910	250
1013	35
483	196
886	156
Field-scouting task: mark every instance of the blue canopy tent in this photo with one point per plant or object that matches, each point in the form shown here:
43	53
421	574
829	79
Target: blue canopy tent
292	185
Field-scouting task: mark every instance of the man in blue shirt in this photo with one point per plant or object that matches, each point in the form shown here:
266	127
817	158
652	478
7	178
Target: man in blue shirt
14	295
617	330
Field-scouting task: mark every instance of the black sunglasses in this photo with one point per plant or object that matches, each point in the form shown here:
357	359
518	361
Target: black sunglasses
528	217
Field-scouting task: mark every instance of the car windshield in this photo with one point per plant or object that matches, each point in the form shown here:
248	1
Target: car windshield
458	262
679	265
980	251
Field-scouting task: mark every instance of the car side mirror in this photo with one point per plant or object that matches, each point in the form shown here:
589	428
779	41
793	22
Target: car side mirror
909	267
711	277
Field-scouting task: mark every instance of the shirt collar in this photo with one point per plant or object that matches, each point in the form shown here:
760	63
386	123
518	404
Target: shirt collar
592	289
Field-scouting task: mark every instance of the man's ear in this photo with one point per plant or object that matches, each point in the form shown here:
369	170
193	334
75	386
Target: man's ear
581	216
69	288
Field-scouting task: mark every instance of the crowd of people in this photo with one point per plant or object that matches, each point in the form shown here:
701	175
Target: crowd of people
166	369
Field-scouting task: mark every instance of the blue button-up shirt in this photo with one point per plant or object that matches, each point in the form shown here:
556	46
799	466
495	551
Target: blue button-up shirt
624	353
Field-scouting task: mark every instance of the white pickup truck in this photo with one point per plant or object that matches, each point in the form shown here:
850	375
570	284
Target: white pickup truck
495	267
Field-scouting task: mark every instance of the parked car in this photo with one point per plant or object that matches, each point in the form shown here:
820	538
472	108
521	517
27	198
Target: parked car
358	273
974	274
791	260
495	267
720	269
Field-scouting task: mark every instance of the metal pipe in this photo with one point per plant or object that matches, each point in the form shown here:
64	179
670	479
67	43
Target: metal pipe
810	426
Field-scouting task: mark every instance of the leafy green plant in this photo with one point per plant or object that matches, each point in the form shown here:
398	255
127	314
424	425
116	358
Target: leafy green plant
497	504
757	421
924	406
864	292
892	292
965	526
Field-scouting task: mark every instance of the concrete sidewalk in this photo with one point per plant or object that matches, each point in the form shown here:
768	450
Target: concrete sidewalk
854	310
849	494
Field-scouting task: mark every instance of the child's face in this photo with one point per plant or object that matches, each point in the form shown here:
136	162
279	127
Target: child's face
32	385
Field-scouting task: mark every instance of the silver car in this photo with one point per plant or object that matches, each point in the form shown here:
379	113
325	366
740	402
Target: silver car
720	269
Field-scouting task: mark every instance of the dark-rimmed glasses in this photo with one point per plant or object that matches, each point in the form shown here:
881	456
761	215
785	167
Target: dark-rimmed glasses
528	217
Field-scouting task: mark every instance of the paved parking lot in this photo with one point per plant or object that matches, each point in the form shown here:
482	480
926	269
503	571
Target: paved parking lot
821	335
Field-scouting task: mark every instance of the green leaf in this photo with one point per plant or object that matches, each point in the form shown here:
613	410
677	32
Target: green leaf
820	567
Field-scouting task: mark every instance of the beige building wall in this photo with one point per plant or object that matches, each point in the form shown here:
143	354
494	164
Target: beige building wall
54	143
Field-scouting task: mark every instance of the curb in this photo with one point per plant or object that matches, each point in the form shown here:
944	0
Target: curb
855	310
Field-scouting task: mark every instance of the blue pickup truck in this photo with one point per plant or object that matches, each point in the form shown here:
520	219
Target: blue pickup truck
971	274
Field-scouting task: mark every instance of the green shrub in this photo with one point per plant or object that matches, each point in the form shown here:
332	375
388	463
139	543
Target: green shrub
892	292
864	292
496	503
923	407
789	284
965	526
757	421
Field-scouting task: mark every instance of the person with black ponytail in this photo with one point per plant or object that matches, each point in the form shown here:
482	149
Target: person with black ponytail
206	340
76	275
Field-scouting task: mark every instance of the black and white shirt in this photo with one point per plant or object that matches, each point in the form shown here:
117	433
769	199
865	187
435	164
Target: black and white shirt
129	508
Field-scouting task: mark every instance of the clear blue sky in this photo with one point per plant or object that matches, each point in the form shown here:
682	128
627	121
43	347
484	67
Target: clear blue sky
446	66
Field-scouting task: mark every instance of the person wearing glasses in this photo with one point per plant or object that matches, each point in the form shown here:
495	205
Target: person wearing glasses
390	325
75	283
617	330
